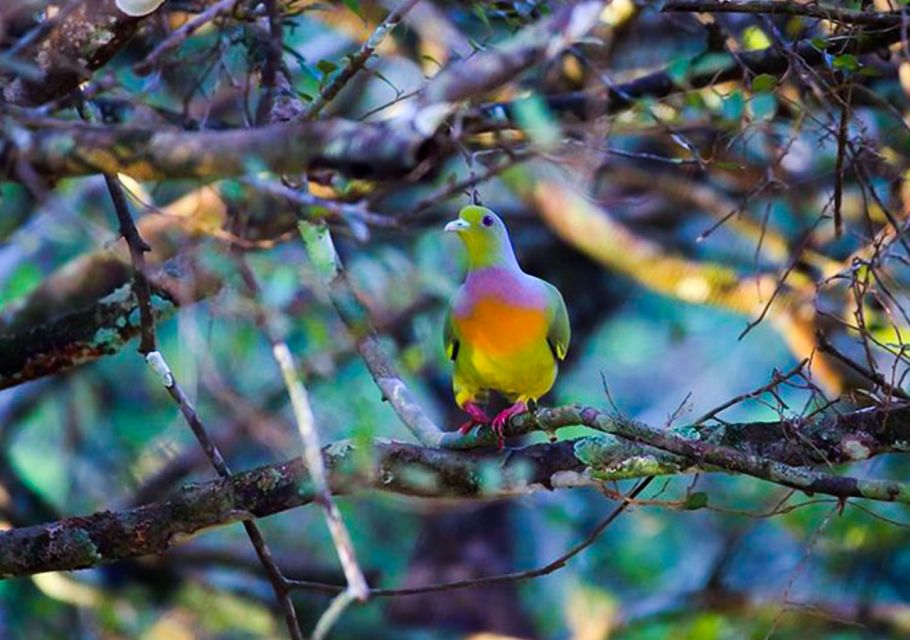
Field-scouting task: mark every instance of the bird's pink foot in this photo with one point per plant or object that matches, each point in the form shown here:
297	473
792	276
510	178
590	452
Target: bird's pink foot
478	416
498	424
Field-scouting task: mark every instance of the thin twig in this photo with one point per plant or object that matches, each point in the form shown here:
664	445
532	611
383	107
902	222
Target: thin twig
137	247
776	379
306	424
322	254
781	283
839	168
156	360
176	38
825	346
457	188
515	576
331	615
358	60
277	579
357	586
345	212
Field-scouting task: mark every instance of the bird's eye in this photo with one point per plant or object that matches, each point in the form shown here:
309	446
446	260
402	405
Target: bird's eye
487	221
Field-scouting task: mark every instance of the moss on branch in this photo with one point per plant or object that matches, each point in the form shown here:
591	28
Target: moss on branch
96	329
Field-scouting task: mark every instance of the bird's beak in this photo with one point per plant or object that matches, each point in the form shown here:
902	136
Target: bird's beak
457	225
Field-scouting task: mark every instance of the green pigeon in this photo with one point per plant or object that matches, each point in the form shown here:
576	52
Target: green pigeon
505	330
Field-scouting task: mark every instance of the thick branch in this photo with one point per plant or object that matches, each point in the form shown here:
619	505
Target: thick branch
97	329
534	44
357	149
86	39
883	19
660	84
413	470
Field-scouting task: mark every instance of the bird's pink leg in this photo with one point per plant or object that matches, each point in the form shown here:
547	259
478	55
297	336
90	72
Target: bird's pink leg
478	416
499	422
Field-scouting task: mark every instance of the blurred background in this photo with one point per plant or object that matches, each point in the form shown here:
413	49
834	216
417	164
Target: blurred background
691	231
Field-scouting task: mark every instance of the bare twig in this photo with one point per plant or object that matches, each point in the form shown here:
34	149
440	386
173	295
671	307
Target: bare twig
839	168
277	579
137	247
321	251
306	424
176	38
357	589
349	213
776	380
447	191
156	360
825	346
358	60
331	615
528	574
776	7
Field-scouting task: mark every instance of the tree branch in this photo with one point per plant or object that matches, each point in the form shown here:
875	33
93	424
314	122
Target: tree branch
357	149
881	19
588	105
356	61
176	38
71	50
533	44
99	328
322	254
412	470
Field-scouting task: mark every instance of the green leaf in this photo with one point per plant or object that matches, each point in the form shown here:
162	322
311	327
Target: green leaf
481	13
764	82
326	67
846	62
307	70
678	70
320	248
733	106
710	63
755	39
534	117
819	43
354	6
763	106
695	501
24	278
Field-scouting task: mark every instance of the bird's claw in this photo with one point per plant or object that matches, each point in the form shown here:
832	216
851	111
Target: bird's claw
466	427
478	417
498	424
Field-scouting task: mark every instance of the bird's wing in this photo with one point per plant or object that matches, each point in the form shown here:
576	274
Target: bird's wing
450	340
559	334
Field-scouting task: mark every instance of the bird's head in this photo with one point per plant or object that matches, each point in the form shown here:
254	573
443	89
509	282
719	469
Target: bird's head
484	235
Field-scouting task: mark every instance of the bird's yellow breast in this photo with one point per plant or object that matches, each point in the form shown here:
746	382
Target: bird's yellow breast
503	347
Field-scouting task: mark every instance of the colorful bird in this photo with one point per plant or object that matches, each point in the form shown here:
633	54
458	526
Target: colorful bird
505	330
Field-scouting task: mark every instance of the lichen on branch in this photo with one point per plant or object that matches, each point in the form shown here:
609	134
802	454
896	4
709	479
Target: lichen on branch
477	473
